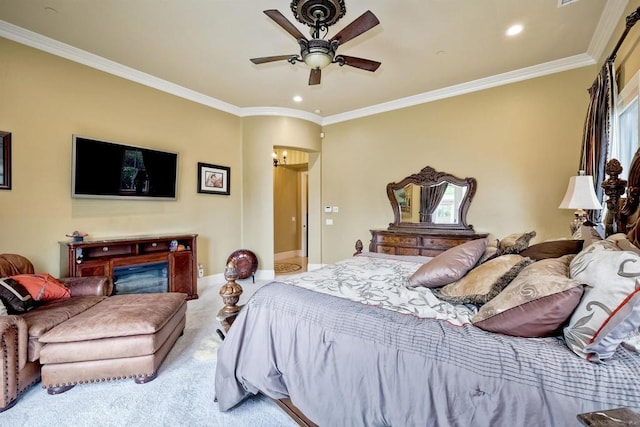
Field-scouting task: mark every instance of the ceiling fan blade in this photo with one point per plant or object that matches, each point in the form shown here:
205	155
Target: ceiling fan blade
364	64
284	23
266	59
314	76
363	23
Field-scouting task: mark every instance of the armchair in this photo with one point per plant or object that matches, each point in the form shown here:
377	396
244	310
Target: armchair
19	347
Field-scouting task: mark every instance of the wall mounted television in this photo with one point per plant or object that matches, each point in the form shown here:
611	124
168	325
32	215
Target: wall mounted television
109	170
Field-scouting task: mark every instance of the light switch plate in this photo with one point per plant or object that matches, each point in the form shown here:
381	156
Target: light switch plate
327	209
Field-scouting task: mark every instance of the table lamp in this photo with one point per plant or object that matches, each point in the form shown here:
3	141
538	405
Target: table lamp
580	195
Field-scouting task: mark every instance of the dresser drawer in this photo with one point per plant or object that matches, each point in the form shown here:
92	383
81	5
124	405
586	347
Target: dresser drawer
107	250
161	245
442	242
430	252
386	250
407	251
398	240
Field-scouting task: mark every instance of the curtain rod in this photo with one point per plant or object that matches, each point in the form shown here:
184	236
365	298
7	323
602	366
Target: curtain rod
631	21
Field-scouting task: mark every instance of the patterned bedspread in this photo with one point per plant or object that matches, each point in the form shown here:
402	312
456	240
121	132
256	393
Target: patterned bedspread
347	363
381	282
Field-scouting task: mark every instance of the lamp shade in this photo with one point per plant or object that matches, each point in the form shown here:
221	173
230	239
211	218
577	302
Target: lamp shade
580	194
318	60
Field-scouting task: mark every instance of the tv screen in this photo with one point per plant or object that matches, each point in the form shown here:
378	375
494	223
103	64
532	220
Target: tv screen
103	169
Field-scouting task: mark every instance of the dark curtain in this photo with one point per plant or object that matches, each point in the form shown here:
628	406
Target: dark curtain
597	126
430	198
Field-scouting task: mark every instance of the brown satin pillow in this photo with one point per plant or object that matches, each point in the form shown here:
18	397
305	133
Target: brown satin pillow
553	249
536	303
449	266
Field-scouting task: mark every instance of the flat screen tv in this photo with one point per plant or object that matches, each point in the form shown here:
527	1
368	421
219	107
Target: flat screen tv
108	170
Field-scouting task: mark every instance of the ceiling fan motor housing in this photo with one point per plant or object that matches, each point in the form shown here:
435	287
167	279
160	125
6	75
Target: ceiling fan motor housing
317	53
318	12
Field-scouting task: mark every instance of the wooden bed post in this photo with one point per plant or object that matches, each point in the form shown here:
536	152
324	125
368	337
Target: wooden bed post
614	188
358	247
230	293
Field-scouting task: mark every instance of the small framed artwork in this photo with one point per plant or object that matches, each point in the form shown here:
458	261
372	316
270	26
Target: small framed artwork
214	179
5	160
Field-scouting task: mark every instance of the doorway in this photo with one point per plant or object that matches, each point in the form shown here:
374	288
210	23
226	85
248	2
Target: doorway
290	204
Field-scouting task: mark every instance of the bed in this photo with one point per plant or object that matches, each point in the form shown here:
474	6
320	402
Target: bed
358	343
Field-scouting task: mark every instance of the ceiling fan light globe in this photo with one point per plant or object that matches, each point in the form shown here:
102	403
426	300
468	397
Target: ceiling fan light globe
318	60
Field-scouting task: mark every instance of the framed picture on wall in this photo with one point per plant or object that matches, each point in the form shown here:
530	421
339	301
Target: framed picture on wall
214	179
5	160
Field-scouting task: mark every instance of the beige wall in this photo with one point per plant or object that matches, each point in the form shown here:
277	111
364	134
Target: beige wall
46	99
260	135
520	141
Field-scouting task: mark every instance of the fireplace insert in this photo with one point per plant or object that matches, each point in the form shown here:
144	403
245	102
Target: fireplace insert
141	278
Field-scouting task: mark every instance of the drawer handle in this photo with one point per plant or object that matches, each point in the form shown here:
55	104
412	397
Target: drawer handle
154	244
105	249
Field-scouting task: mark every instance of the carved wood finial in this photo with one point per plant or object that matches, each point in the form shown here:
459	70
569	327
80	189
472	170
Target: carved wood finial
614	188
358	247
230	291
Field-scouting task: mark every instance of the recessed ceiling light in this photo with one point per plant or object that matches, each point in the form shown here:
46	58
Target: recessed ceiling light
297	98
317	111
514	29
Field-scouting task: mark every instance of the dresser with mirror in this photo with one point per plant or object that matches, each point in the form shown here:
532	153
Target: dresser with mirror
430	215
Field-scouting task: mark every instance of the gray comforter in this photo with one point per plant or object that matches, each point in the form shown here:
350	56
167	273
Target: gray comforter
344	363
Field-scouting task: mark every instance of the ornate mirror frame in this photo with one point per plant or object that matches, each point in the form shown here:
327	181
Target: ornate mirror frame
425	178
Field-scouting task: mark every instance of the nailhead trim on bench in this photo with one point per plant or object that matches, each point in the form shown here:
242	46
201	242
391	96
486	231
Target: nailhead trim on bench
98	380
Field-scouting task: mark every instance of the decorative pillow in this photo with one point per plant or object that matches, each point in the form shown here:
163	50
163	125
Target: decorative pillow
588	233
610	302
14	296
490	252
552	249
515	243
617	329
536	303
42	287
483	282
623	243
448	266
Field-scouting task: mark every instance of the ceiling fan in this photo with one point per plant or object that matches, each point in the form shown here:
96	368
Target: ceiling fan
317	52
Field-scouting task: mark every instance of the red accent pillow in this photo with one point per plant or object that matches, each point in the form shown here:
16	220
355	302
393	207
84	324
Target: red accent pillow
42	287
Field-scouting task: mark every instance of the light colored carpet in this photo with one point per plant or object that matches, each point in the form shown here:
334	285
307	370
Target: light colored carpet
181	395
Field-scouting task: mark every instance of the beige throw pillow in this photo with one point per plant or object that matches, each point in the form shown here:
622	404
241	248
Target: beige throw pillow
485	281
449	266
534	304
515	243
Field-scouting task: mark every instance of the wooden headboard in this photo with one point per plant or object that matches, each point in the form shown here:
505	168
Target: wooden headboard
622	212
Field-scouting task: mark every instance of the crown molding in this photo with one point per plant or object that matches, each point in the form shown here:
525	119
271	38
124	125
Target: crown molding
278	111
608	21
539	70
54	47
611	16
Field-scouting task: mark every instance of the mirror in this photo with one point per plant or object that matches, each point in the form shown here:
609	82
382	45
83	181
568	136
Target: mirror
431	201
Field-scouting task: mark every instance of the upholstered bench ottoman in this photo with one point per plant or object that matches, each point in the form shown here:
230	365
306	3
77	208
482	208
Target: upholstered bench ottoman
124	336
